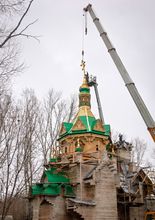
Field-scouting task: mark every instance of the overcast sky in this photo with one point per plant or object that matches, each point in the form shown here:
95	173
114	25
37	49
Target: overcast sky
55	61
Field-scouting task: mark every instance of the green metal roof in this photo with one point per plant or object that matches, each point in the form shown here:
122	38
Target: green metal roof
69	192
84	90
89	124
67	125
107	130
87	121
55	177
53	187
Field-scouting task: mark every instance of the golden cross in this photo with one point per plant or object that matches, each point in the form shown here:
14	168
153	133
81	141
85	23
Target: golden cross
83	65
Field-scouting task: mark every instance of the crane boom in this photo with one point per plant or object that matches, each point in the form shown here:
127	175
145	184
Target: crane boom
92	82
124	74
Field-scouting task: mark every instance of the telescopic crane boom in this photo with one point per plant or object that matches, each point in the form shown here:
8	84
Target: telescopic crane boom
92	82
124	74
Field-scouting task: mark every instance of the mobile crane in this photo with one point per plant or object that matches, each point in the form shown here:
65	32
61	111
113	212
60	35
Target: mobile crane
124	74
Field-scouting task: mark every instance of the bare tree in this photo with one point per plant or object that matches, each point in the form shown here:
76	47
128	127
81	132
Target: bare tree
14	6
12	14
29	108
138	147
11	150
28	135
72	108
19	154
54	111
138	151
11	6
52	114
14	156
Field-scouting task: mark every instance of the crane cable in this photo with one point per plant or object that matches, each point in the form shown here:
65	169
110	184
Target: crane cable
85	16
84	32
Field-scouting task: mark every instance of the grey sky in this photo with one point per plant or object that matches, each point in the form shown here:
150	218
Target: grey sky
55	61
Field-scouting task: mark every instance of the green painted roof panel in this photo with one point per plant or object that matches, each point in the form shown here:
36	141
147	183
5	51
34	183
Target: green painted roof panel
87	121
69	192
51	189
37	189
54	177
107	130
67	125
84	90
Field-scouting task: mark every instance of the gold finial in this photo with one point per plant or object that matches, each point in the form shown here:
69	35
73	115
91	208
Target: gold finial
85	83
83	65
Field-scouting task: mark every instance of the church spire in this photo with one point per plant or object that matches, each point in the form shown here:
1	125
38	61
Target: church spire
84	95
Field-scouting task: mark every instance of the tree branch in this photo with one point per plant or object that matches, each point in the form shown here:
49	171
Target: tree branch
17	26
